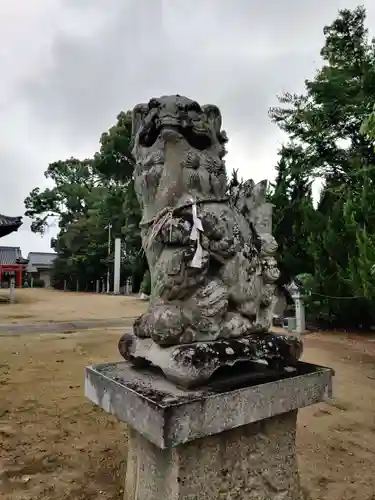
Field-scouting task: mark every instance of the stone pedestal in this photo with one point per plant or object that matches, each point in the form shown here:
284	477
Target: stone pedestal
254	461
220	442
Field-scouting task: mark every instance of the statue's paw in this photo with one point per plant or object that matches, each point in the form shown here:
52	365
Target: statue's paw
236	325
168	324
163	323
141	326
125	345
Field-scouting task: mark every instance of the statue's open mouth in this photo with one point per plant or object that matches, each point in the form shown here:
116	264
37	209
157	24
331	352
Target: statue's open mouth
196	137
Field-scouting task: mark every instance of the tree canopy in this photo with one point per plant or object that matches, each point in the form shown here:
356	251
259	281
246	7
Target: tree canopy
87	196
334	242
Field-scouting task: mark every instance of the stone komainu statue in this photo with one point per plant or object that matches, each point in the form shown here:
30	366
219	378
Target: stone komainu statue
211	256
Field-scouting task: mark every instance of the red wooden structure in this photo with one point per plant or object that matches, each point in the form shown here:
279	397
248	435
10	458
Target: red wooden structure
18	269
9	225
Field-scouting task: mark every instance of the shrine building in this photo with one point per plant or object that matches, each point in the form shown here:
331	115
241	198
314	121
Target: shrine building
11	260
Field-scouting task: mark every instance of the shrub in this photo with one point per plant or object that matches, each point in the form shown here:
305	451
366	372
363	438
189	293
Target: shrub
146	283
38	283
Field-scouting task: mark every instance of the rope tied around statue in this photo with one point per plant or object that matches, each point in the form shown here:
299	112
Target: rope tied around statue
166	214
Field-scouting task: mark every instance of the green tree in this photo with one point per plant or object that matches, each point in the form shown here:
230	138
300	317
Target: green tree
326	121
324	126
87	196
114	159
294	215
368	127
73	180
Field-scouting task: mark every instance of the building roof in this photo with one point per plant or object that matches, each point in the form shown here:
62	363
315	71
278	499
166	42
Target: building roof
41	259
10	255
9	224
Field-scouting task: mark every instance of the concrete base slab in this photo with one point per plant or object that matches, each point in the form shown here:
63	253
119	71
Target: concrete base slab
169	416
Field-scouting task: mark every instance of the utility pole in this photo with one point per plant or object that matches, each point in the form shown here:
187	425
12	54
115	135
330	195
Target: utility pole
109	254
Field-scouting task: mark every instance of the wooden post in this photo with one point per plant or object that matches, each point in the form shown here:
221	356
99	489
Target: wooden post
19	278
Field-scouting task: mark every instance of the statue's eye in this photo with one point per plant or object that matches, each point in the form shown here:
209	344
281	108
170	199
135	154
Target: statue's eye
194	106
153	103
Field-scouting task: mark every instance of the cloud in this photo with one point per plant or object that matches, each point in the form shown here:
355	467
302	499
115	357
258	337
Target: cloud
110	55
72	65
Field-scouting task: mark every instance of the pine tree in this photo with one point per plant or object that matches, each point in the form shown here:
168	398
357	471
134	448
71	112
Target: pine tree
324	125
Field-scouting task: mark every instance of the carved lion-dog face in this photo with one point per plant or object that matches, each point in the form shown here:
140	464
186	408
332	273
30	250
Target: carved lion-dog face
200	126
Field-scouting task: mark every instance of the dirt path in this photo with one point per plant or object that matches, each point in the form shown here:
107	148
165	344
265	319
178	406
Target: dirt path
7	330
44	305
337	442
54	445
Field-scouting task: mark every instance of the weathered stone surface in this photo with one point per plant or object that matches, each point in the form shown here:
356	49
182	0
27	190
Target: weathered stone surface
213	273
212	442
192	364
211	259
168	415
255	462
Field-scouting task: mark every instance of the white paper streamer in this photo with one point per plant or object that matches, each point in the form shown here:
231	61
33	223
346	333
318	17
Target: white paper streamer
198	256
195	236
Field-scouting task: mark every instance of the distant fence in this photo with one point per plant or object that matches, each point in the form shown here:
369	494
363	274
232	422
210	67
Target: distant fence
98	286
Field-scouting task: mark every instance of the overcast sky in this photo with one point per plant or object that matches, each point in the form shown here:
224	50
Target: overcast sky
69	66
